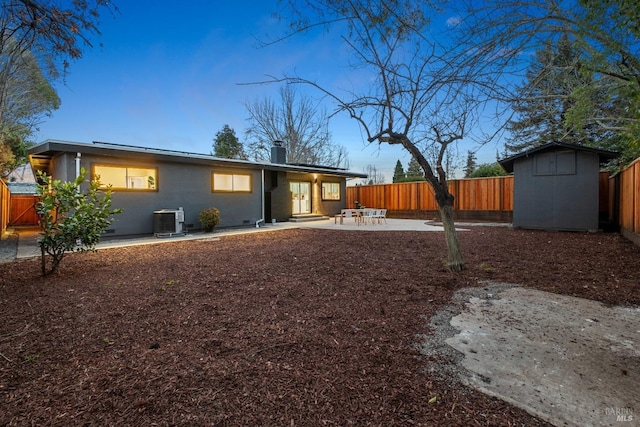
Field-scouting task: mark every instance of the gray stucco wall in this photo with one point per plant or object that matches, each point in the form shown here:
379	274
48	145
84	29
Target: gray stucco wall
63	167
188	185
556	190
178	185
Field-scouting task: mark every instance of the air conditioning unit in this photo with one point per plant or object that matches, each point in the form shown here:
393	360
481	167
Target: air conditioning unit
168	222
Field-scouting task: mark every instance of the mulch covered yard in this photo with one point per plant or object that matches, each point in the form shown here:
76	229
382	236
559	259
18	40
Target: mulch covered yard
287	328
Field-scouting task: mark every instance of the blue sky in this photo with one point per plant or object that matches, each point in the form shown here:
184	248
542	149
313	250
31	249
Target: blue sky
168	76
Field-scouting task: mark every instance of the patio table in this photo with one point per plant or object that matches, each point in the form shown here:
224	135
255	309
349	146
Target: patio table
358	214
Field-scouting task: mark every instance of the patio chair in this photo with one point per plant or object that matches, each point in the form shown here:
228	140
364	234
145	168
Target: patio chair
381	215
368	216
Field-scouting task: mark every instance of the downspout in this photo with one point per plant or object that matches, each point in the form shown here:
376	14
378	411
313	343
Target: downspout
78	156
261	220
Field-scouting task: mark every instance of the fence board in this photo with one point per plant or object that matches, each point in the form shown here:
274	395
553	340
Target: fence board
636	197
507	195
5	202
627	198
630	198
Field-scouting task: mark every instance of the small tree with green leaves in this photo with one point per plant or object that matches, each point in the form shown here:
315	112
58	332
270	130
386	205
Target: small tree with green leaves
487	170
71	220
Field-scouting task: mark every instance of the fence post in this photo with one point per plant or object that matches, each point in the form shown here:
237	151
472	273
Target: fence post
5	206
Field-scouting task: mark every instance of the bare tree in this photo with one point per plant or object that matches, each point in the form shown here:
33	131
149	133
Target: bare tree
301	125
51	31
450	161
38	38
373	176
420	96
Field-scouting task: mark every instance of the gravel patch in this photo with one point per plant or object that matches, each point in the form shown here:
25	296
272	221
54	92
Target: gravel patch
8	246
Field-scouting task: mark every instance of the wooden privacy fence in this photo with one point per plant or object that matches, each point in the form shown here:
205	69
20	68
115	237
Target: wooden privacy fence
628	214
475	198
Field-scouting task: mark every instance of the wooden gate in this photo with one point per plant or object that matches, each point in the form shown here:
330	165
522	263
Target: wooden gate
23	210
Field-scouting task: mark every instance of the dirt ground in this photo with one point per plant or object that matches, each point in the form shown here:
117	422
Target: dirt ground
293	327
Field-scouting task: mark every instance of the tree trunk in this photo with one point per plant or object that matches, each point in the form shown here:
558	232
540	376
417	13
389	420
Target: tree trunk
455	261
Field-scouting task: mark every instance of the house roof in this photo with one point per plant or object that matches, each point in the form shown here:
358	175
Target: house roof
21	180
604	155
21	174
41	155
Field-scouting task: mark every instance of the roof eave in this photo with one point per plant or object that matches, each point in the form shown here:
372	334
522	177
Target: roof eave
40	154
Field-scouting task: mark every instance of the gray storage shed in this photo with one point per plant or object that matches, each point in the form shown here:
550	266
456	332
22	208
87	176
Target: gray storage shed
556	186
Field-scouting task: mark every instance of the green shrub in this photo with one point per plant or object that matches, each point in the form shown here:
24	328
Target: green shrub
209	218
487	170
71	220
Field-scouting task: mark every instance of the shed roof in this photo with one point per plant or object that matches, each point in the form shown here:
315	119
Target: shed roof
41	154
604	155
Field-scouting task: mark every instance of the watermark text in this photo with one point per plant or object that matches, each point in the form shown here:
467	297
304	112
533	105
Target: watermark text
620	414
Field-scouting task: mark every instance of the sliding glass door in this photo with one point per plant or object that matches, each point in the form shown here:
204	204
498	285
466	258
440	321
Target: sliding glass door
300	197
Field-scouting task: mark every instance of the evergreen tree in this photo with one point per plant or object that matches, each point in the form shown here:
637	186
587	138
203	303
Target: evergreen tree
612	100
546	97
398	173
414	171
471	164
227	145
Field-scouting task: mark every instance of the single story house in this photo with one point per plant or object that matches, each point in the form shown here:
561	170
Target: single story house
556	186
148	183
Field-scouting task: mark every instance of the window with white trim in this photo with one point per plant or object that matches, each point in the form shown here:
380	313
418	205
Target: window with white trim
126	177
330	191
228	182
